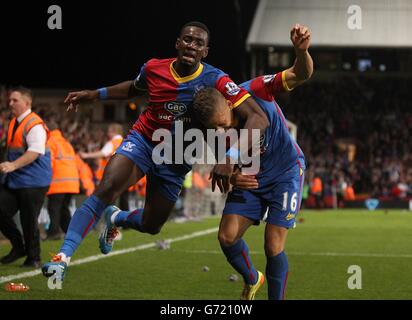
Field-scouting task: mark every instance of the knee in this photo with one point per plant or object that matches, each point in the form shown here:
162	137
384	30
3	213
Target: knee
106	190
273	249
152	230
227	239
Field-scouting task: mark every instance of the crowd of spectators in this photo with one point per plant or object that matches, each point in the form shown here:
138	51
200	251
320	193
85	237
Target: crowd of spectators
359	128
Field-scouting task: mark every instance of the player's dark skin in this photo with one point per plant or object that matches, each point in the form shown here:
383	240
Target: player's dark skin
121	172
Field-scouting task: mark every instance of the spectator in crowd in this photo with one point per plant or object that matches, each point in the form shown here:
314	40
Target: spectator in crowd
305	194
349	193
85	175
341	188
316	190
115	135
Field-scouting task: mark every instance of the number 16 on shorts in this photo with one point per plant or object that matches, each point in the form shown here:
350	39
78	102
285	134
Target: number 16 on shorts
293	201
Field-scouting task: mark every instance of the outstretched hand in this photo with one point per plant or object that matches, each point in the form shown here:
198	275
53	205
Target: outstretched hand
73	99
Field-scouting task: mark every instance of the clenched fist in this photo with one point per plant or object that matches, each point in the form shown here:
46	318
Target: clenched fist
300	37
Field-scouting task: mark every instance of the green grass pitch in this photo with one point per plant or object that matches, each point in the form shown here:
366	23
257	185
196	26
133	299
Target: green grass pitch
320	250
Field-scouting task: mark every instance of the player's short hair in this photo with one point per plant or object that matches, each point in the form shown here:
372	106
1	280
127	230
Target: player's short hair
198	24
205	103
23	91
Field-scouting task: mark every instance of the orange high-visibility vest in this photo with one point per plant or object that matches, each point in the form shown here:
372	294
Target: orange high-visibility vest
316	186
35	174
65	178
116	142
198	181
85	175
133	187
349	194
18	141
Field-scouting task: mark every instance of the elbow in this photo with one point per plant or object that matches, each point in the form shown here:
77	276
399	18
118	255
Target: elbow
304	76
309	74
34	156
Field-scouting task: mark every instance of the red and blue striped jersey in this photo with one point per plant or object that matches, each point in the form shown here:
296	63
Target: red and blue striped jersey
279	150
171	96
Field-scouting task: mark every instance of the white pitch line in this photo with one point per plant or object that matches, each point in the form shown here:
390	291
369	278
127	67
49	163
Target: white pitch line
348	254
326	254
34	273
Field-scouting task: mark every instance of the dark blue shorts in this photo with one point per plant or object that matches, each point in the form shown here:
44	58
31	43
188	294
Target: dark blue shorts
278	204
165	178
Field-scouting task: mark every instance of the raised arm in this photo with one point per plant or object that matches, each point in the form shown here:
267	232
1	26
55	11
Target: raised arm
302	69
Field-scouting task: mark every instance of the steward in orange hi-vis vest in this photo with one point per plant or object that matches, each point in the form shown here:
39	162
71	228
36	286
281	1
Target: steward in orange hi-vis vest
27	173
65	178
85	175
35	174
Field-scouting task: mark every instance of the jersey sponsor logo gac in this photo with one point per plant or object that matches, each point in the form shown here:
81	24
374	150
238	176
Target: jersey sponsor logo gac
175	108
166	117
